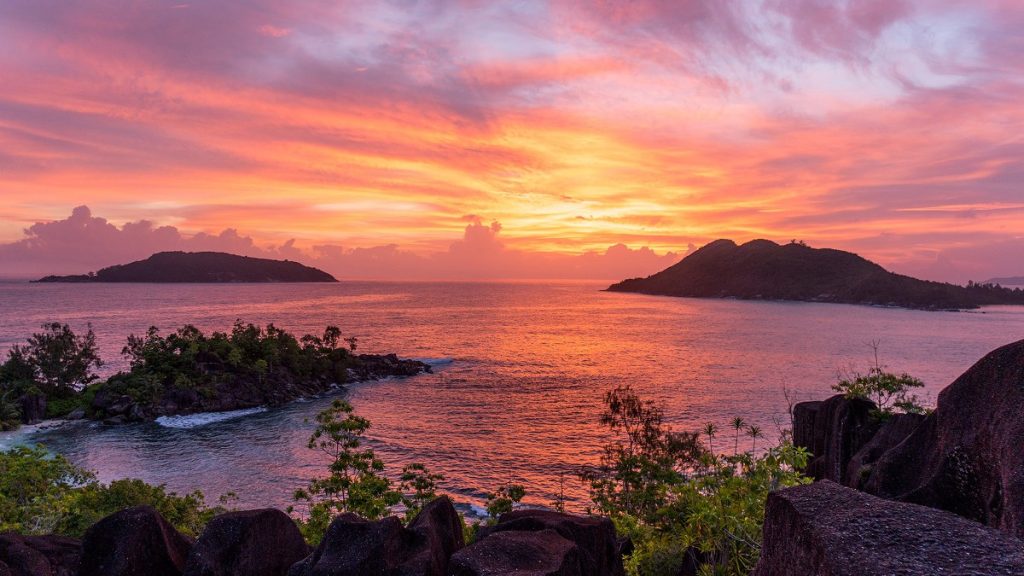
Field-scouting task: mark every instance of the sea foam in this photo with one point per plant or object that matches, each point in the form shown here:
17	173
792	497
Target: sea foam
204	418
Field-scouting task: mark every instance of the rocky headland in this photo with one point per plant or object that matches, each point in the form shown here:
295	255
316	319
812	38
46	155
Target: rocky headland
764	270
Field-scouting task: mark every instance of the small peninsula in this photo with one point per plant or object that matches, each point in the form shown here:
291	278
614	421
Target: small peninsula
201	267
765	270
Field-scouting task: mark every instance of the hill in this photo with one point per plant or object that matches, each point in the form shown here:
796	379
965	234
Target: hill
182	267
764	270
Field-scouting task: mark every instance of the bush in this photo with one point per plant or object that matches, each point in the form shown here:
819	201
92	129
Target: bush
890	392
44	494
355	483
678	501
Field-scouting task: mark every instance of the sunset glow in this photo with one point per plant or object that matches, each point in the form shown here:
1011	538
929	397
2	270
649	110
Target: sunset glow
422	139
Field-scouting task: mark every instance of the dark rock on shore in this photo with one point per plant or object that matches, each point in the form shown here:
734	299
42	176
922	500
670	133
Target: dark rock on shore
33	407
833	431
134	542
594	536
354	546
513	553
249	543
892	432
438	530
39	555
824	528
967	457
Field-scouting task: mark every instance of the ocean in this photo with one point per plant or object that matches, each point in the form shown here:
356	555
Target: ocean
520	370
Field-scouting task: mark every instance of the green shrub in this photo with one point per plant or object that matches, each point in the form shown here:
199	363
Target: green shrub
679	501
46	494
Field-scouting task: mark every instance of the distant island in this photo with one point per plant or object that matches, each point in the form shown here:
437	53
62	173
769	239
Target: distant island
765	270
196	267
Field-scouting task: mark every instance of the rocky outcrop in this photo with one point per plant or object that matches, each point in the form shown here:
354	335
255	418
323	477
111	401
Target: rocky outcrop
134	542
33	407
593	536
825	528
249	543
531	553
438	530
967	457
893	431
833	431
39	555
354	546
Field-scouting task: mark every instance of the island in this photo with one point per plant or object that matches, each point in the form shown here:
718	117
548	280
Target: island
765	270
201	267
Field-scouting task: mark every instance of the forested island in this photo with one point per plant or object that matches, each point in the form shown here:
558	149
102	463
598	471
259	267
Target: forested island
765	270
184	372
198	267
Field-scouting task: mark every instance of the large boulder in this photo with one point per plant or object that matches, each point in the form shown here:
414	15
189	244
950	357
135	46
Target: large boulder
250	543
827	529
515	553
594	536
833	431
134	542
353	546
39	555
33	407
895	429
967	457
438	530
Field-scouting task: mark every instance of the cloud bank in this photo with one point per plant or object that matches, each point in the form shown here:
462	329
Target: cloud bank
82	242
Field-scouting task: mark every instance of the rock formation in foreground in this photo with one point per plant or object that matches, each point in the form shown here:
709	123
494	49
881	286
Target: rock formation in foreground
198	267
139	542
764	270
825	528
965	457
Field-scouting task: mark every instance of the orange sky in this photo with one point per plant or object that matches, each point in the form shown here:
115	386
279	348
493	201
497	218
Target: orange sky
890	128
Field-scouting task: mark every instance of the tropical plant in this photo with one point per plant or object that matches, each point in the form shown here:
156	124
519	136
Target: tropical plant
679	502
61	361
356	482
889	391
418	487
642	461
504	499
42	493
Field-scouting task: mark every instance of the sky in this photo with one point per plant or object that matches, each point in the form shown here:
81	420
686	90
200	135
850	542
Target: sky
526	139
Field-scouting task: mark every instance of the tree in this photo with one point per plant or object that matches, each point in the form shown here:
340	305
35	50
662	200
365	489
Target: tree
646	456
61	360
737	424
355	483
504	500
889	391
418	487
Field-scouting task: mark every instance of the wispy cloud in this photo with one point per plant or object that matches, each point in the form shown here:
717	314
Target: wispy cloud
577	125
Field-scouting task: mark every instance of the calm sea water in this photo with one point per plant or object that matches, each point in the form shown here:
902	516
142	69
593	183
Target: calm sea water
520	373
